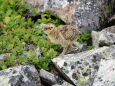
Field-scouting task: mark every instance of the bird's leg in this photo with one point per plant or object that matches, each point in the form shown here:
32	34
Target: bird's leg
65	49
72	48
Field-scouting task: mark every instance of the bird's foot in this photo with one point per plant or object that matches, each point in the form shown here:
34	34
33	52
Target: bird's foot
61	55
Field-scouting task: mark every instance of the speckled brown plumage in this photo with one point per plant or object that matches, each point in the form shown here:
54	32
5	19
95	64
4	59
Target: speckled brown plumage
64	35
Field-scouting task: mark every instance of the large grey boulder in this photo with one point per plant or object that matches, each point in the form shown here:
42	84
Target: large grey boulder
80	68
106	37
106	74
52	79
20	76
86	14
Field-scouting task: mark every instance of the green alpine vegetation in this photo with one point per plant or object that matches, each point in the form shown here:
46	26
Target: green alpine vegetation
16	29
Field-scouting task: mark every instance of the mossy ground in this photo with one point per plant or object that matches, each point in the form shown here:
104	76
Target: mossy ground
15	29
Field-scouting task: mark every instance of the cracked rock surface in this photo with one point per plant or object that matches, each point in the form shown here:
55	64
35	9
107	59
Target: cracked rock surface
81	68
106	74
20	76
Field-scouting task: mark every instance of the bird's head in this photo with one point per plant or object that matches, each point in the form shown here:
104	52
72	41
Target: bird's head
47	28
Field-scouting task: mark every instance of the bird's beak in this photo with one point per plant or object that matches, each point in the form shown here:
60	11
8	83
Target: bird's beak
42	29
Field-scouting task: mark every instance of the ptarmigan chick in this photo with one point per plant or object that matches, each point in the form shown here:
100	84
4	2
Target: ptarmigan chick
64	35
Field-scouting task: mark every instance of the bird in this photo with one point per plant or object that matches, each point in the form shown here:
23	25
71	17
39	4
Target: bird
64	35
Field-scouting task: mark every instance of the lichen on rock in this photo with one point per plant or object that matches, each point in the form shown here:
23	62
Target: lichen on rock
20	76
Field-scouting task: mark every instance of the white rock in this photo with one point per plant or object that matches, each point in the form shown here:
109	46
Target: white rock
106	37
81	68
106	74
2	56
20	76
38	52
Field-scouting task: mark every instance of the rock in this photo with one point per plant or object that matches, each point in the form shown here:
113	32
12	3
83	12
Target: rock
40	26
32	47
86	14
20	76
2	56
38	52
25	53
28	46
80	68
106	74
53	79
106	37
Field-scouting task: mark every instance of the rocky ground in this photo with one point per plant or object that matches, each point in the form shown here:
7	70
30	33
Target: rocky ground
94	67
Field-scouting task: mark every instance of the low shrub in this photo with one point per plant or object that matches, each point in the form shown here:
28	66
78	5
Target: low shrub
15	30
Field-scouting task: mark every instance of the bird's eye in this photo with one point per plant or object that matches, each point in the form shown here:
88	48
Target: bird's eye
48	28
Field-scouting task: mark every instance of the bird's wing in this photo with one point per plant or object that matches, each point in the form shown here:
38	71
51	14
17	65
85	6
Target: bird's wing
68	32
